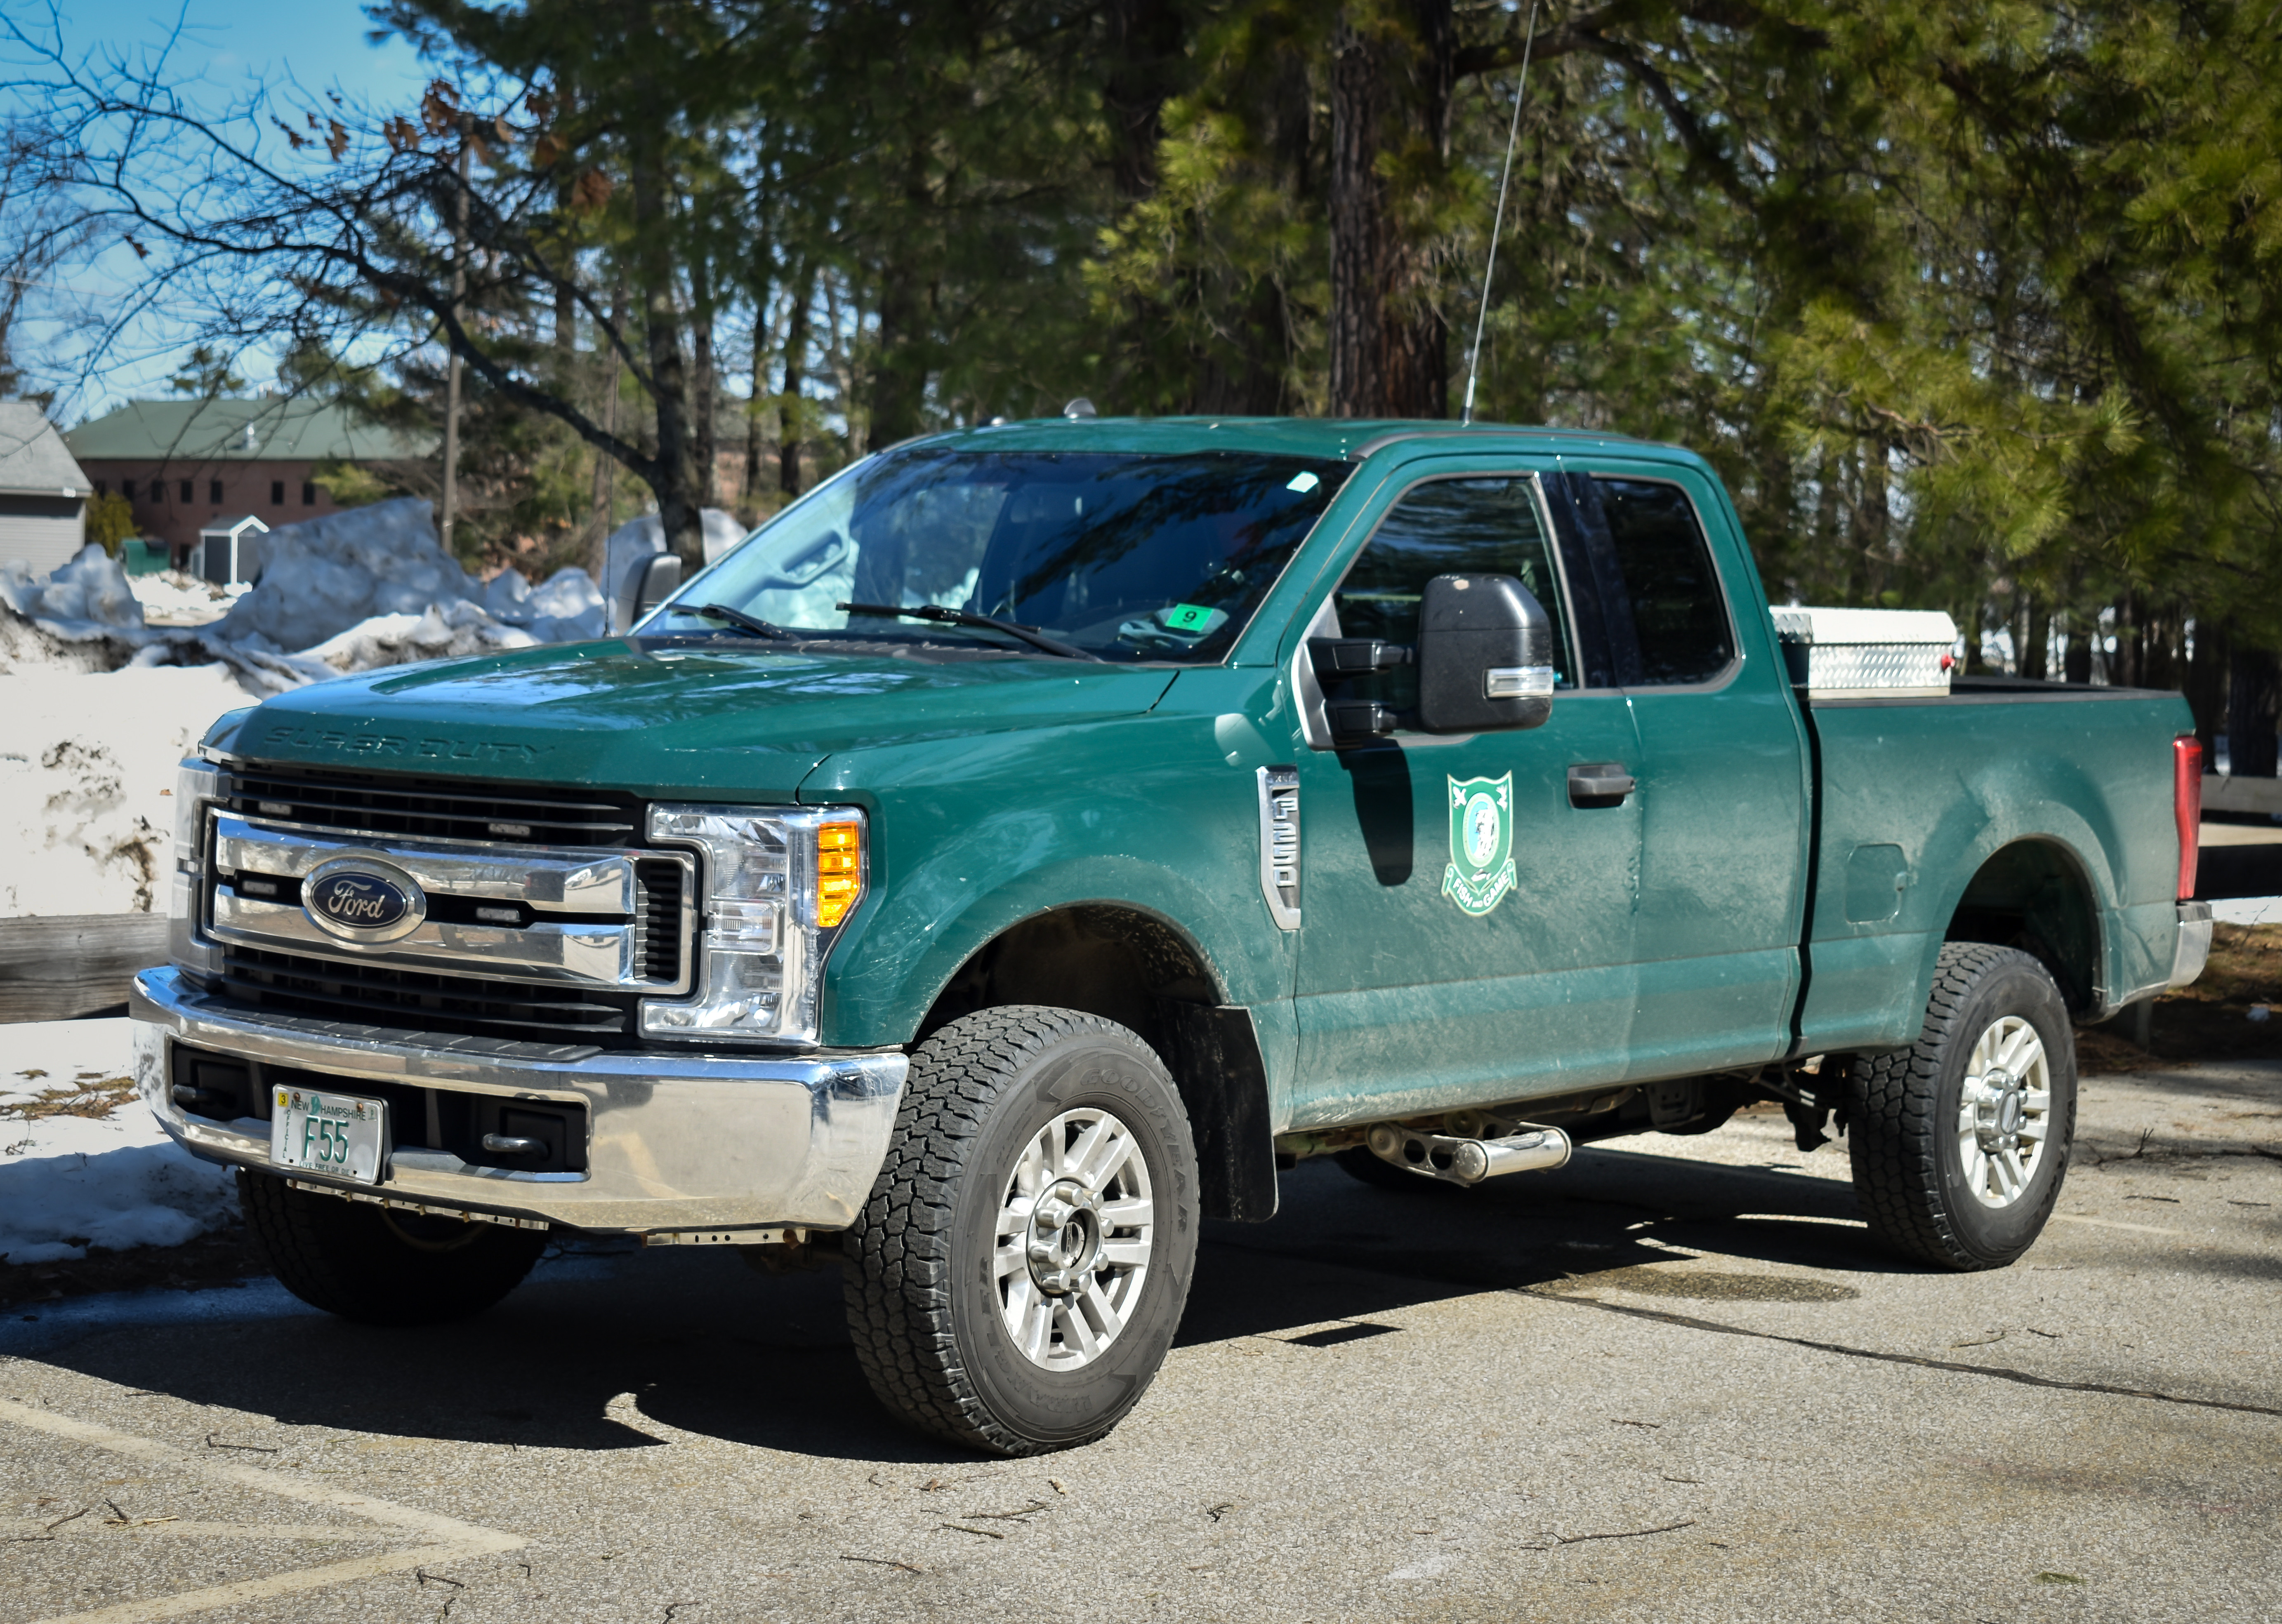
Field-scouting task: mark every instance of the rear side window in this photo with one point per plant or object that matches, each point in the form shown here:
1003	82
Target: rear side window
1678	611
1444	527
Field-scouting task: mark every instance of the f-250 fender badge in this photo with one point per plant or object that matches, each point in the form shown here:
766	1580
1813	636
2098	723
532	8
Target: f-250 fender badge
1481	869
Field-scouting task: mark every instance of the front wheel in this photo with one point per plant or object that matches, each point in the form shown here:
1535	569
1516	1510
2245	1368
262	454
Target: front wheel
1959	1142
381	1267
1016	1276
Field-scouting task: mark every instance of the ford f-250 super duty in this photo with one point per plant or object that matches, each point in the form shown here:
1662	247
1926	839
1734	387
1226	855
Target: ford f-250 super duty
1036	836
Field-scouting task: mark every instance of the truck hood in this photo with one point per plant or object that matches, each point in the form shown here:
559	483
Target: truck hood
676	720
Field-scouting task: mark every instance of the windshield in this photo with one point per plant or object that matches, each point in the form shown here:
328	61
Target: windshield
1124	557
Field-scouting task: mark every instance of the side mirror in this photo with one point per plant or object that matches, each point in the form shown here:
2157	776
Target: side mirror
650	582
1485	656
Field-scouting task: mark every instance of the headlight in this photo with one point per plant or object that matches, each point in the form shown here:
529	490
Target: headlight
197	784
780	882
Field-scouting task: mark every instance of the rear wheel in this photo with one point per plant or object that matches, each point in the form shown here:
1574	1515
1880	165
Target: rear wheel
367	1263
1016	1276
1961	1142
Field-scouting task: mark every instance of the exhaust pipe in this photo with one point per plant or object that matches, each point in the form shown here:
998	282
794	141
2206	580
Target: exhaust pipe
1468	1160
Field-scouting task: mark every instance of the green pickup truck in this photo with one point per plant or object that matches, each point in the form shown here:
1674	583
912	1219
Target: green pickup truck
1037	837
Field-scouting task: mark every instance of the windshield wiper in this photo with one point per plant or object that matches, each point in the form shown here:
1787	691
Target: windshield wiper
1031	635
742	621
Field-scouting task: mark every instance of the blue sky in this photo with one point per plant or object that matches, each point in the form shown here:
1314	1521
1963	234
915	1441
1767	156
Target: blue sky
223	49
232	45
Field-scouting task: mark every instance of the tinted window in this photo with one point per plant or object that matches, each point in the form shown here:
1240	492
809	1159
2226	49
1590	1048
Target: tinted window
1129	557
1444	527
1678	613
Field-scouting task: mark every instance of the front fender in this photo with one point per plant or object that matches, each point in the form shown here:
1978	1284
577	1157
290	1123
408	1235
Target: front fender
972	836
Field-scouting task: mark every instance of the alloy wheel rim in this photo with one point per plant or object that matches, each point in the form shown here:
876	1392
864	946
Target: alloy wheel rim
1075	1228
2004	1117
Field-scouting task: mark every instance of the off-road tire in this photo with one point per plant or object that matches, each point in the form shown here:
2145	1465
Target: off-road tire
1902	1111
922	1296
378	1267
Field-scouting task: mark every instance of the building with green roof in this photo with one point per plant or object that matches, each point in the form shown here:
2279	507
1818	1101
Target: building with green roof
182	464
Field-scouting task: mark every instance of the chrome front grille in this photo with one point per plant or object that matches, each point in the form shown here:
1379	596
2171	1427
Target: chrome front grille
535	936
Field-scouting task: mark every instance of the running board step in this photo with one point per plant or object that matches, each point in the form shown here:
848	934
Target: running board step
1468	1160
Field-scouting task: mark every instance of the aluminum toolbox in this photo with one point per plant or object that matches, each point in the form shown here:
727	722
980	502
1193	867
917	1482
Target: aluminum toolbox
1864	654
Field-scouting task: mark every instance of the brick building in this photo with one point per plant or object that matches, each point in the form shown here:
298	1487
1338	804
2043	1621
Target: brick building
184	464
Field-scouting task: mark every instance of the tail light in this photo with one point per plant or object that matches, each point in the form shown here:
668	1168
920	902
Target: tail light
2187	807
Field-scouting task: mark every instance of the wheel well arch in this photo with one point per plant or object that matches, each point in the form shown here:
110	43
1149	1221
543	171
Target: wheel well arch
1139	969
2034	894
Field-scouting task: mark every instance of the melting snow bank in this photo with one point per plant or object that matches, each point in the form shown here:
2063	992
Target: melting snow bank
70	1181
97	706
87	783
350	592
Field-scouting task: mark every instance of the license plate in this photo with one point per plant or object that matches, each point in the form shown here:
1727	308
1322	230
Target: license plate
325	1133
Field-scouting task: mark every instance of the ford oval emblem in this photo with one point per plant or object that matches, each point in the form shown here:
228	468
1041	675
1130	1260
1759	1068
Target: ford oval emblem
359	899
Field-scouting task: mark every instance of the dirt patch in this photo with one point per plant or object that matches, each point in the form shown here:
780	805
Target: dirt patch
2209	1020
221	1257
93	1094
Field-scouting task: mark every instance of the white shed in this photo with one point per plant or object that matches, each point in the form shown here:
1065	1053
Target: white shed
42	494
229	550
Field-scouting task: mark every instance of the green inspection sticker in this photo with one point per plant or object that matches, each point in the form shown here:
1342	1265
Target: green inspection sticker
1187	617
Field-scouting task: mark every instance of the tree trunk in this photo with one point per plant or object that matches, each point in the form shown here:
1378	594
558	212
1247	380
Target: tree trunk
704	389
1392	73
606	468
899	377
2036	648
669	365
1143	54
2206	688
2254	711
749	487
790	408
2076	660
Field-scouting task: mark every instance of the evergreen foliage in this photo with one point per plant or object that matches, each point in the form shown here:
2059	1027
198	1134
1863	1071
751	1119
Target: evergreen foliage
1974	305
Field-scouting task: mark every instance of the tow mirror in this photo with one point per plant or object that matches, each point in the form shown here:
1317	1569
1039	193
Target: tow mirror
1485	656
650	582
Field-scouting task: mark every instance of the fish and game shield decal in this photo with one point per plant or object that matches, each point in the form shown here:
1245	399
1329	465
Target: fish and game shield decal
1481	869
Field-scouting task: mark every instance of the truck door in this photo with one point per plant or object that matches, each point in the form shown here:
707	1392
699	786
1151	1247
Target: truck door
1467	923
1722	773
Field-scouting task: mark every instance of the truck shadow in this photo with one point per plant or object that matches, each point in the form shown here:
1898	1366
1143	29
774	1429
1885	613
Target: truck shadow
1367	1250
625	1352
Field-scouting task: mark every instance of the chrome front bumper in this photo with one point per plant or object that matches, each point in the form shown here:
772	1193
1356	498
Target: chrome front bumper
678	1143
2193	949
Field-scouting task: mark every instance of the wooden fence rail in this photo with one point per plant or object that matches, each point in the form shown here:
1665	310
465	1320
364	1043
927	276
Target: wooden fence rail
63	965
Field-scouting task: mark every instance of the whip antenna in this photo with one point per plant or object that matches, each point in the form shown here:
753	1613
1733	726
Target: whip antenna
1513	131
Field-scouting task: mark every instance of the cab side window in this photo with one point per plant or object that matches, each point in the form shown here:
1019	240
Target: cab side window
1444	527
1678	614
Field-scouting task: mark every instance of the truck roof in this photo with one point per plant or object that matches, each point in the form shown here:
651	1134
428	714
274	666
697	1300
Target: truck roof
1345	438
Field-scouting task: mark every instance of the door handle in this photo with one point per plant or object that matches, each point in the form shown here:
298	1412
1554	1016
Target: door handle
1599	784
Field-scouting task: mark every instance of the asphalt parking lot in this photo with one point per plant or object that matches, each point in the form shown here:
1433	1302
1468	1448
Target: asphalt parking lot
1671	1381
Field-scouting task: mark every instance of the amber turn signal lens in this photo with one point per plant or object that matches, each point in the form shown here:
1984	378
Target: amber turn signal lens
839	871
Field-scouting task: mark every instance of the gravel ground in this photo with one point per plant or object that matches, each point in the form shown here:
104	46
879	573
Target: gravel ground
1671	1381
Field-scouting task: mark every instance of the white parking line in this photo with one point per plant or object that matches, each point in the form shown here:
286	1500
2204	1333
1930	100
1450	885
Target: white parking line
445	1538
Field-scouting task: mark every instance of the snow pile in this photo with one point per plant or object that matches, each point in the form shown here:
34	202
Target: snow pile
325	577
176	598
69	1180
86	779
350	592
97	704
